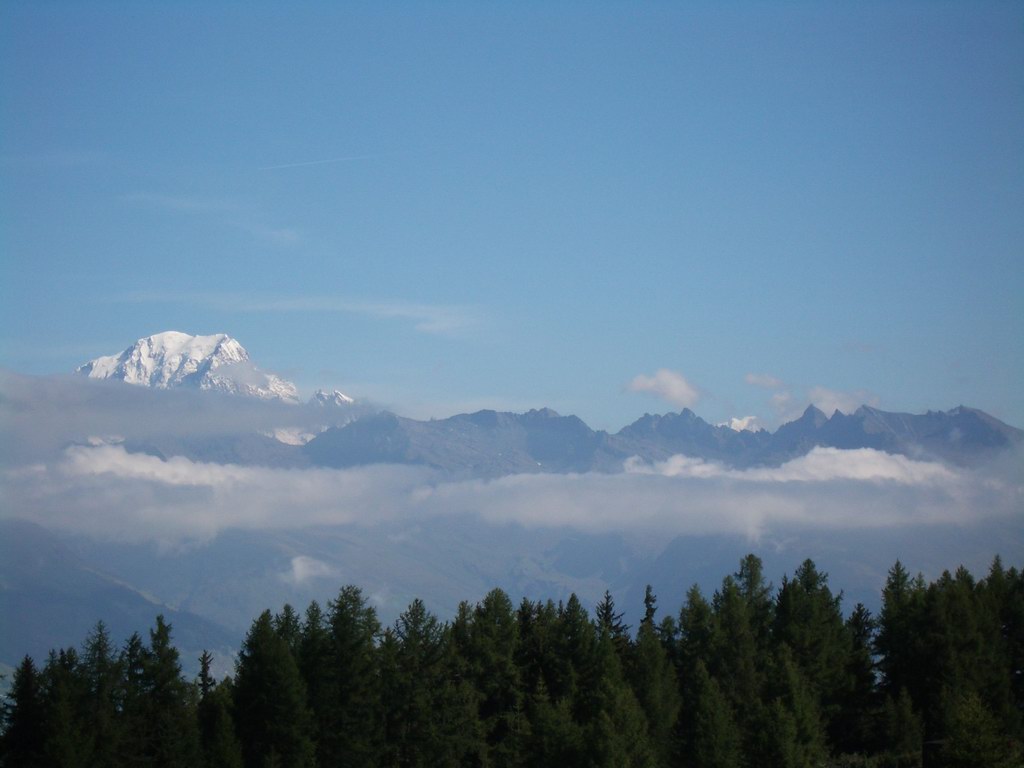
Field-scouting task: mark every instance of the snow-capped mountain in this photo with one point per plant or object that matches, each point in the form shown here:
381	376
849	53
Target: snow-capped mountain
173	359
334	399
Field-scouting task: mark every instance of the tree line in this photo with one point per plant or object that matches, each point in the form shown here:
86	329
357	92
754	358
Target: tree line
752	676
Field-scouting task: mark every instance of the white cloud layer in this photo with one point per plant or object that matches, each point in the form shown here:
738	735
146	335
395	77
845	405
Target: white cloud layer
670	386
107	492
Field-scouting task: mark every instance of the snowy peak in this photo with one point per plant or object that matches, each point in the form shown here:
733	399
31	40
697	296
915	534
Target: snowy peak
174	359
333	399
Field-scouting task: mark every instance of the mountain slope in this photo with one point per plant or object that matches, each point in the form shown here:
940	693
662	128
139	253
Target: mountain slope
50	596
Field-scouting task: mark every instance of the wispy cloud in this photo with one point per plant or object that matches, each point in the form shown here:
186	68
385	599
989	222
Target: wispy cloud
56	159
426	318
234	213
670	386
763	380
786	406
328	161
831	400
183	203
304	569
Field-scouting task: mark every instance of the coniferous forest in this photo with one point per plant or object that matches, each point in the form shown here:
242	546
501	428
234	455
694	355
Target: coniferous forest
753	675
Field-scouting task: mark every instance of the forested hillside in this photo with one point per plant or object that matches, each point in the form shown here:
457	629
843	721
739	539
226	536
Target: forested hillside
753	675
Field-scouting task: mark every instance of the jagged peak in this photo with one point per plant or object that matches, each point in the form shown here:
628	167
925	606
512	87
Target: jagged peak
546	413
334	398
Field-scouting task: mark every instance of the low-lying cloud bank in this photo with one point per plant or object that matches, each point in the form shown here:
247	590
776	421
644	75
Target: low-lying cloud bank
39	415
106	492
51	474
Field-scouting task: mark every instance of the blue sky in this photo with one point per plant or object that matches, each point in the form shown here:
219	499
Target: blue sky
475	205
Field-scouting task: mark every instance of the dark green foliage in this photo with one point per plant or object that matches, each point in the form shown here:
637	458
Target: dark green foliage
22	744
172	734
430	714
614	727
974	737
217	740
101	670
716	740
654	682
489	650
854	728
270	701
611	622
809	623
749	679
352	723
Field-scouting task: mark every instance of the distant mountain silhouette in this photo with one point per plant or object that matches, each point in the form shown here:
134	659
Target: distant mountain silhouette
490	443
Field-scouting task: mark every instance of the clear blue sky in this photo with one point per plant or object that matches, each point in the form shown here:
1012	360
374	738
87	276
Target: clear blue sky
456	205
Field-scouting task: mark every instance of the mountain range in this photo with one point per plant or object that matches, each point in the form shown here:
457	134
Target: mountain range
491	443
89	533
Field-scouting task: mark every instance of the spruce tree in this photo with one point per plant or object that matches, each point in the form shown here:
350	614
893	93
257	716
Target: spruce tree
654	684
314	659
352	728
22	744
67	739
172	737
270	701
217	740
974	738
613	722
490	653
102	672
735	659
808	621
715	741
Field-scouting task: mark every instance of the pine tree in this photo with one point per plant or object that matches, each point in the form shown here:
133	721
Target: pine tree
974	737
217	740
654	684
855	728
808	621
67	740
613	722
315	659
288	626
716	739
270	701
897	640
610	621
430	716
172	737
102	672
22	743
902	731
735	659
352	724
792	735
490	653
757	593
555	737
